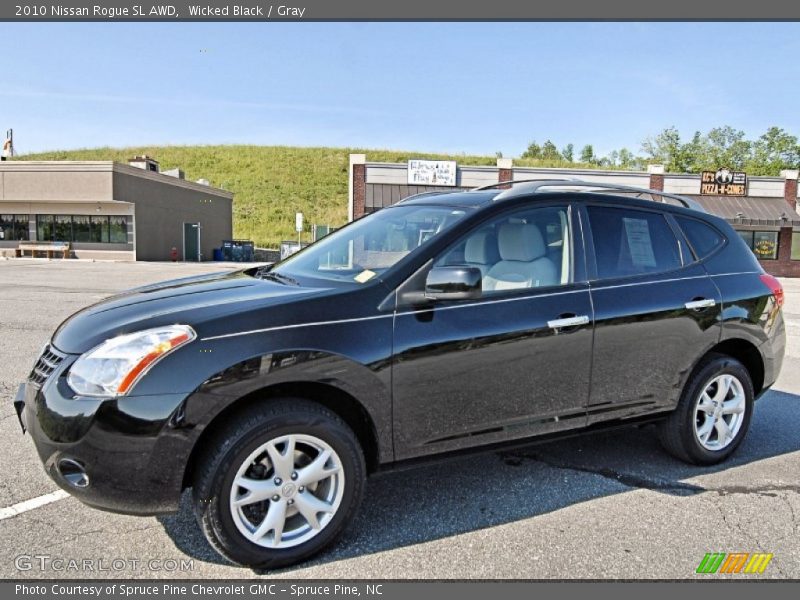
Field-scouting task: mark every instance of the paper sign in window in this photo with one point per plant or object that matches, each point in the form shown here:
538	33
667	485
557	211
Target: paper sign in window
639	242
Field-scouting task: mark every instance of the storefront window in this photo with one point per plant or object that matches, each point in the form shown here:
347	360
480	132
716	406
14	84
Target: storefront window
795	245
99	229
118	230
747	236
44	228
79	228
13	228
63	228
764	244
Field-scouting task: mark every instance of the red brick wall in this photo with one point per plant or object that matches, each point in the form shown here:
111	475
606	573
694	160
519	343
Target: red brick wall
657	182
790	192
505	175
359	190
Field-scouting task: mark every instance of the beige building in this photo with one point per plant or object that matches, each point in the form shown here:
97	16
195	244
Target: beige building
108	210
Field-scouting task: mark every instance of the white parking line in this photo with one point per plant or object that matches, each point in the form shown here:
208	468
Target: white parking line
21	507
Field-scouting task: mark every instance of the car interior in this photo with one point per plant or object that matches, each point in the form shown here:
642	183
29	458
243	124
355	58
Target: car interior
524	250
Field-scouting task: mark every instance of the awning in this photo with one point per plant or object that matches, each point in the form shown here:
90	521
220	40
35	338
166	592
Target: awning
750	210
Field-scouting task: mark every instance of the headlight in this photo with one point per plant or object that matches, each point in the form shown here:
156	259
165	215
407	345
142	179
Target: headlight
113	367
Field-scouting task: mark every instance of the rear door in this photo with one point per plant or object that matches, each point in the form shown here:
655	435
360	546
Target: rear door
656	310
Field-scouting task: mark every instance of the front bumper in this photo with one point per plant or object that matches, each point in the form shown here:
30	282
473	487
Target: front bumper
133	449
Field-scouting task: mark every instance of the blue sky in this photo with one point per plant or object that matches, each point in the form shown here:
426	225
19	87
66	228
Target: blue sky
455	87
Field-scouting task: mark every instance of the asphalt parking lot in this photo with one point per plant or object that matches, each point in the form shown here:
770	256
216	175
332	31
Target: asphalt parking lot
608	505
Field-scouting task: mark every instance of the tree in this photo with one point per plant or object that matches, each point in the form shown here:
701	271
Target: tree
549	151
727	148
666	148
773	151
626	159
568	153
587	154
534	151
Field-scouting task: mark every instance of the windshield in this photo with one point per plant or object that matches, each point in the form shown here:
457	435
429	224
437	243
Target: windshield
370	246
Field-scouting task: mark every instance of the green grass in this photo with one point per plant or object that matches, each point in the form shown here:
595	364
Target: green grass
272	183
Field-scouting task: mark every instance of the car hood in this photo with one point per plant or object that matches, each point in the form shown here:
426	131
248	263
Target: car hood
208	303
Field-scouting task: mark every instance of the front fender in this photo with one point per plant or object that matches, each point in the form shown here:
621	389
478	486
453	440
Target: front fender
369	385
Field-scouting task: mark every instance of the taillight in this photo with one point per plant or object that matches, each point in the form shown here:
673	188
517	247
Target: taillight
774	286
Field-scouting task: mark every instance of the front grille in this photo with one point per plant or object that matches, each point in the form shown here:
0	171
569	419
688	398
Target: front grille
45	365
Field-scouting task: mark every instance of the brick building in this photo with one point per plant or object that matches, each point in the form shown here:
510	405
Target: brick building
766	217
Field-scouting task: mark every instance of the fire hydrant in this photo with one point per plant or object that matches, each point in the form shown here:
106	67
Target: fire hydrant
173	254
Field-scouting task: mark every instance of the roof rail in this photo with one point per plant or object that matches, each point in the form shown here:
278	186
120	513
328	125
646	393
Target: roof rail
436	193
511	182
532	186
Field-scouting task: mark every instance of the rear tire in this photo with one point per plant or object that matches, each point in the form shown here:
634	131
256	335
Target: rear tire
279	483
713	414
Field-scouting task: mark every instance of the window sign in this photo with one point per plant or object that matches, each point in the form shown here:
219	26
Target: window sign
764	244
639	242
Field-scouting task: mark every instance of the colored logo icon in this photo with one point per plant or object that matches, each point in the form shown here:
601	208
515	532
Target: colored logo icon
736	562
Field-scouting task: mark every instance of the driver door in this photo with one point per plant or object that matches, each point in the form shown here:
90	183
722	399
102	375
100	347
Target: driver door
514	362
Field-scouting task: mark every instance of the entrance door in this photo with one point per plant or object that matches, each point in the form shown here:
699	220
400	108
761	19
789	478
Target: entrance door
191	242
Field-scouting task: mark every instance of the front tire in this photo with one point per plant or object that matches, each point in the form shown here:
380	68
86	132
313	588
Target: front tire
279	483
713	414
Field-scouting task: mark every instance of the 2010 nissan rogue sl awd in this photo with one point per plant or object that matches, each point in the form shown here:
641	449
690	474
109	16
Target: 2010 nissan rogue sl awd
446	322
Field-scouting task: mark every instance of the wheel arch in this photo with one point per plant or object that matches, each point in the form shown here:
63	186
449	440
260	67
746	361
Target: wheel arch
338	401
746	353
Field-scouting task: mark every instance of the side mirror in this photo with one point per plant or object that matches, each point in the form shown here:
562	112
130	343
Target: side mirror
453	283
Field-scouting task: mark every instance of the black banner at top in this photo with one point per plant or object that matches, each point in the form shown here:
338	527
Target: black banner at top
405	10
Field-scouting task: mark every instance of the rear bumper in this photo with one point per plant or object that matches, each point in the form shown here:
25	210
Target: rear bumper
132	453
773	351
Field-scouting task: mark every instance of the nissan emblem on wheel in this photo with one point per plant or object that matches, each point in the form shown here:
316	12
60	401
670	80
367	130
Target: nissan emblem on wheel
449	322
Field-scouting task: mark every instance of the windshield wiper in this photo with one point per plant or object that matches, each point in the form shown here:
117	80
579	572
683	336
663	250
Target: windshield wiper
279	277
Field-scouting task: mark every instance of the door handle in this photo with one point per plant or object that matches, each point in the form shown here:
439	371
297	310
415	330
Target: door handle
568	322
700	304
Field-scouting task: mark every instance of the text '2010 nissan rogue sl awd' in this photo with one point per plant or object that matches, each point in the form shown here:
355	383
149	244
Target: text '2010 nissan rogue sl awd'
447	322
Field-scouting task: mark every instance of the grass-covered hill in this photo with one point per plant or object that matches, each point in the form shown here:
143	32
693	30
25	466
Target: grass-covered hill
272	183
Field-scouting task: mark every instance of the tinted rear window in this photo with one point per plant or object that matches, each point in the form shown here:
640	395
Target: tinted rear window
703	238
632	242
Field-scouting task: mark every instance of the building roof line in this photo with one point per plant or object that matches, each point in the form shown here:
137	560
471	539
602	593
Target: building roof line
107	166
161	177
573	171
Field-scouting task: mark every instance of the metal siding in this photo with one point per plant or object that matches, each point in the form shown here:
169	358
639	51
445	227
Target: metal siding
764	210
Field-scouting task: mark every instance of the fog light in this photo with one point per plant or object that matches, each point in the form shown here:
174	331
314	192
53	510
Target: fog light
73	473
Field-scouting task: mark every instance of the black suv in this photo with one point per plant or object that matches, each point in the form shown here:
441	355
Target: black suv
447	322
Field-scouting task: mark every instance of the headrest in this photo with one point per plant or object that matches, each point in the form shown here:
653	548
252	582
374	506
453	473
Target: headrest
521	242
481	248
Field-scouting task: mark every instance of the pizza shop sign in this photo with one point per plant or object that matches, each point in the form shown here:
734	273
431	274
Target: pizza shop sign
723	182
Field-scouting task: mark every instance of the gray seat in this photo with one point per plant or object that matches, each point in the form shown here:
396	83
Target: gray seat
480	251
523	263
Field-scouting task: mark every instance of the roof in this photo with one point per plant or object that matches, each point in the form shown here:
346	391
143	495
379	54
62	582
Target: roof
106	166
750	210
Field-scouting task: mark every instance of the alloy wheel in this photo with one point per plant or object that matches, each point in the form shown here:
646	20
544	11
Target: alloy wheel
719	412
287	490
